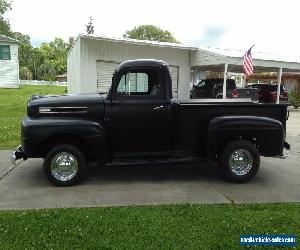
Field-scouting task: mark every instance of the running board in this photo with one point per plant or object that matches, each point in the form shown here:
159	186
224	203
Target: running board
151	161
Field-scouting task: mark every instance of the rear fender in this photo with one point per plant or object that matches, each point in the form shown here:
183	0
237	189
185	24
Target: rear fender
266	133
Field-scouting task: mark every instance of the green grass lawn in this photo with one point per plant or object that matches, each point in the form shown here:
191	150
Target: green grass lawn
13	104
146	227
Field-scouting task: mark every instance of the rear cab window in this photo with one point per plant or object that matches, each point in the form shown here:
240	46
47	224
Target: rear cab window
139	83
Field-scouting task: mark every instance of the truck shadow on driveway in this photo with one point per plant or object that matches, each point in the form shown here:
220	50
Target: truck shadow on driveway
150	173
31	175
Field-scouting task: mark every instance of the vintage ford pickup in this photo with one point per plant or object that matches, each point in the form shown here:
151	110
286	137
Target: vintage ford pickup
138	122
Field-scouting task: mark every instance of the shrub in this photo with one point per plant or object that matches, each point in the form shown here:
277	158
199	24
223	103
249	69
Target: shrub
294	99
25	73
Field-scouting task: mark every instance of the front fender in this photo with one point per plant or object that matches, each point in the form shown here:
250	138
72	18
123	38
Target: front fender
37	131
268	134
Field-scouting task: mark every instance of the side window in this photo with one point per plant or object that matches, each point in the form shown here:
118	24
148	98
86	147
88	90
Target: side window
133	83
139	82
4	52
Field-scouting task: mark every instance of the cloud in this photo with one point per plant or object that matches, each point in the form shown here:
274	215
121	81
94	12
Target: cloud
212	35
36	42
208	36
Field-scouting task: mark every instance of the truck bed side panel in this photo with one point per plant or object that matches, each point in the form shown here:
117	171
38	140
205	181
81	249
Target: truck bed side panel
193	120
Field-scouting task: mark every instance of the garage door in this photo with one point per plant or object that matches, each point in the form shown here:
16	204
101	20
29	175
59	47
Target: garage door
174	76
104	71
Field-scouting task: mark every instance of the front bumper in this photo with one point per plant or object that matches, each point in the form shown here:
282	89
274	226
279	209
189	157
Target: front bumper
18	155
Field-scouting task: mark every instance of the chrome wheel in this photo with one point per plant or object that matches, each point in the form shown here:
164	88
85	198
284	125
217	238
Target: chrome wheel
64	166
241	162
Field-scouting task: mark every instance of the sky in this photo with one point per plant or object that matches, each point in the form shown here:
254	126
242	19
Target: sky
273	26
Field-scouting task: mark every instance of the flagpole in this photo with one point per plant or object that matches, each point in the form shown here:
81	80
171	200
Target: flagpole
278	84
240	58
225	82
226	70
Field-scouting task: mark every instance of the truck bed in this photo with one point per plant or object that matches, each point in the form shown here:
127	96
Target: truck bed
193	117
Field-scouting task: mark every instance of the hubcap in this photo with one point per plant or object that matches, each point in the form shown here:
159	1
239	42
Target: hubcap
241	162
64	166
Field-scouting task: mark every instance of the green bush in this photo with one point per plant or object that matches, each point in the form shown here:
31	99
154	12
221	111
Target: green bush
294	99
25	73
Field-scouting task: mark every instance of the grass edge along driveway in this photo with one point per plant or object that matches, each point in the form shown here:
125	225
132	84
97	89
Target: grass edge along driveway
13	105
187	226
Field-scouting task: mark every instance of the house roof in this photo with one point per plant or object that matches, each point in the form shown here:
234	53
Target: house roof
218	56
214	59
8	39
139	42
257	55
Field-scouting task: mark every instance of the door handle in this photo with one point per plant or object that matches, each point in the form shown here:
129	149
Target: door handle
158	107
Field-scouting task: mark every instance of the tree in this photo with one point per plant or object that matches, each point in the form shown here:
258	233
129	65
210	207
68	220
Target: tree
25	73
35	60
150	32
90	27
29	57
71	42
4	23
37	63
46	72
4	6
25	48
55	53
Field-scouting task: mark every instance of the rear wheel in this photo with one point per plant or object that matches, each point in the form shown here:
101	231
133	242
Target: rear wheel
239	161
64	165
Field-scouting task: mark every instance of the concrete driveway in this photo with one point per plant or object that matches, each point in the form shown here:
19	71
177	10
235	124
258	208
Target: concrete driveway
278	180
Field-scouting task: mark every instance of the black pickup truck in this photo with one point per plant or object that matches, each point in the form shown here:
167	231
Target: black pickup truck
138	122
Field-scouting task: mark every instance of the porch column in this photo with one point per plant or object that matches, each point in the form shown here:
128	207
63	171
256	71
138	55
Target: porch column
278	84
224	83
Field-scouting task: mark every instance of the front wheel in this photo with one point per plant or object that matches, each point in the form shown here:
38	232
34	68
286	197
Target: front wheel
239	161
64	165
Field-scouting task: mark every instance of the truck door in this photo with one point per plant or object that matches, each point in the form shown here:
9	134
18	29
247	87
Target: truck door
140	114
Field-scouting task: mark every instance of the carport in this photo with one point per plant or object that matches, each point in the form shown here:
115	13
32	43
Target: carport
226	60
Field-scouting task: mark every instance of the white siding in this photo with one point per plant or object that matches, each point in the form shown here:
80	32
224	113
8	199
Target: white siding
9	69
98	50
104	71
174	75
73	68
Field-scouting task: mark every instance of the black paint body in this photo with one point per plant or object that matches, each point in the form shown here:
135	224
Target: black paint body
108	127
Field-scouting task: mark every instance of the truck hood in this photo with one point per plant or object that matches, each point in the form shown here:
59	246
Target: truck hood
91	105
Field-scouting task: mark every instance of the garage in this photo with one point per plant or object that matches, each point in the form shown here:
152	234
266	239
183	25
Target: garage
92	61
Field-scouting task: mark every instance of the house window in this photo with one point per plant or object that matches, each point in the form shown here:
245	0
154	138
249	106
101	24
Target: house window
4	52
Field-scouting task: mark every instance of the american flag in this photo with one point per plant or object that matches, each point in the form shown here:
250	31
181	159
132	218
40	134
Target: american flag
248	63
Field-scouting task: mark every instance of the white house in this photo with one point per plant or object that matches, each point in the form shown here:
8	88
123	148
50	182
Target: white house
92	61
9	62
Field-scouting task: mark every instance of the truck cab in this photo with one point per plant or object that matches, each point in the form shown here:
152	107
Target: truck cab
139	107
